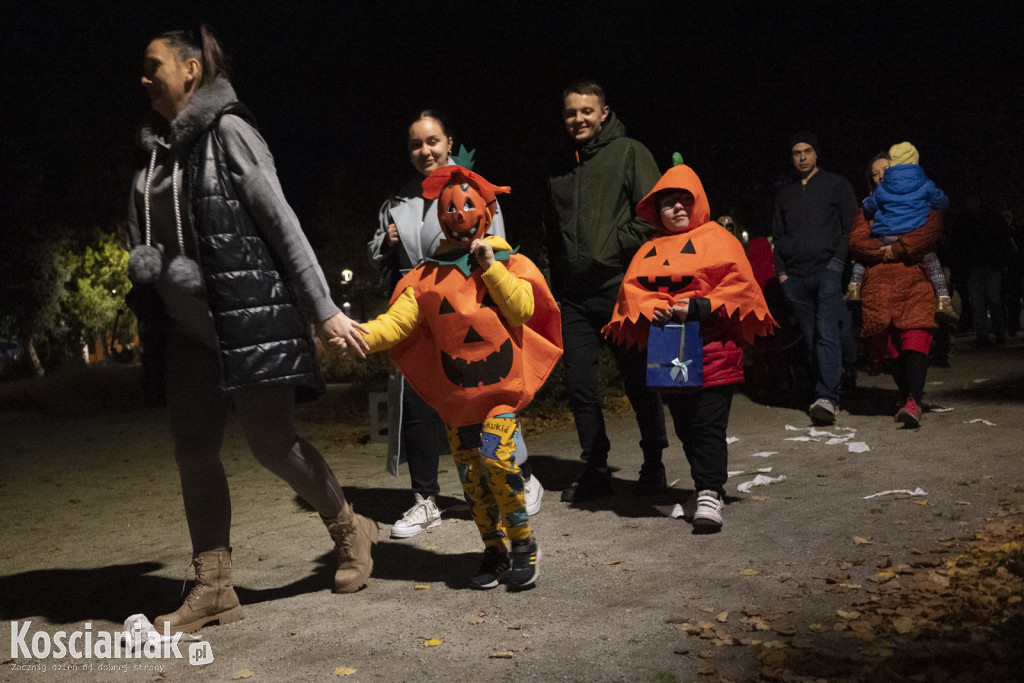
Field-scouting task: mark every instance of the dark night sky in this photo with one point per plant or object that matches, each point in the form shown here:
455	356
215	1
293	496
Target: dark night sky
334	84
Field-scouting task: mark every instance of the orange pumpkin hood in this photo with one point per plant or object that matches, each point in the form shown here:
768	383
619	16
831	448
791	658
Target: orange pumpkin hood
706	262
679	177
453	307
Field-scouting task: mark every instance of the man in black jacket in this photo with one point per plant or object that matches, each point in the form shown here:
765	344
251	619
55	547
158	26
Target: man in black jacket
591	233
811	231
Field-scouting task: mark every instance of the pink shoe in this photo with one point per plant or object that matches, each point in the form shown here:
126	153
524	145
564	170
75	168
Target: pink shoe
910	414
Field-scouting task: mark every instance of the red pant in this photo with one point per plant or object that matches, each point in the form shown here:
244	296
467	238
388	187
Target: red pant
890	342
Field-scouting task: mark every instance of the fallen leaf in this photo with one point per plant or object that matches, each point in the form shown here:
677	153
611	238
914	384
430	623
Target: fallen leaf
847	615
885	576
860	540
421	586
707	668
612	562
815	627
903	624
756	623
432	642
344	671
749	572
921	502
242	673
477	620
508	654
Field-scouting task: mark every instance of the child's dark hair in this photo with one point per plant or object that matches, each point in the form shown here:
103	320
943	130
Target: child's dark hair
202	47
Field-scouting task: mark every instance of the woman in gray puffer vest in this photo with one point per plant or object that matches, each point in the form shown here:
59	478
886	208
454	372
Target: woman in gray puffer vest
221	259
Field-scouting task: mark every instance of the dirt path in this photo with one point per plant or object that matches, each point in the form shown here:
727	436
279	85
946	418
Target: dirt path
92	531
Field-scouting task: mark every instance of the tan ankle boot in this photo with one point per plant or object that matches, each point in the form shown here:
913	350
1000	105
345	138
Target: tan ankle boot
852	292
944	309
354	536
212	598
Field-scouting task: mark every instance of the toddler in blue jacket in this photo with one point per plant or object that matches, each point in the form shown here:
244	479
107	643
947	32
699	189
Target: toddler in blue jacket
900	204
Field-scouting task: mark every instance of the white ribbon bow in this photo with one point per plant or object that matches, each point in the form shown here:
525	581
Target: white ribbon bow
680	366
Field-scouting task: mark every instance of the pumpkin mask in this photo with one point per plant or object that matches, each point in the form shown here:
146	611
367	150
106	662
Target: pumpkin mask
466	201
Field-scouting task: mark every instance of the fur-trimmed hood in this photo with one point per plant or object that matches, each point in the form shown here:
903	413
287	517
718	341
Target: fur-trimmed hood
198	114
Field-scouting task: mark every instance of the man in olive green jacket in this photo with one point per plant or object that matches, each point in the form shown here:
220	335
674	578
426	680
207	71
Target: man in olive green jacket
591	233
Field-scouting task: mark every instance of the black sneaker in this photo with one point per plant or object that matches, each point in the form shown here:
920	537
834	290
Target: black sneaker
494	565
525	557
652	479
593	483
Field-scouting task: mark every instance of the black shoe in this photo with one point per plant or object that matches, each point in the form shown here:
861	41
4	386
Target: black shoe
494	565
652	479
525	557
593	483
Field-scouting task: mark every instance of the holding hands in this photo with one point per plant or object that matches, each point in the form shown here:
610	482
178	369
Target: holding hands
344	333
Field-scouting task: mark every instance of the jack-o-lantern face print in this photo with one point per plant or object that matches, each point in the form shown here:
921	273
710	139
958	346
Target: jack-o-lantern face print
660	269
463	213
482	353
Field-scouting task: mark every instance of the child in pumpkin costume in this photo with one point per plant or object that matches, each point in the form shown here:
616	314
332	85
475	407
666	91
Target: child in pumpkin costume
694	270
476	332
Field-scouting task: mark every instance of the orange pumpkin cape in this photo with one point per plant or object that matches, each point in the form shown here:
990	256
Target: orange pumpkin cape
463	357
705	262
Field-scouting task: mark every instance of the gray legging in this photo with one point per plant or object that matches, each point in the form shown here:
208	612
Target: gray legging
198	411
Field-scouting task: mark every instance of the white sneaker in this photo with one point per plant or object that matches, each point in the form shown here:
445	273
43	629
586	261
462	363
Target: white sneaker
533	492
708	516
420	517
823	412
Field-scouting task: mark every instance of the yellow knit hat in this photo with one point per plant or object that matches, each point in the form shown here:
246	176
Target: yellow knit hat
903	153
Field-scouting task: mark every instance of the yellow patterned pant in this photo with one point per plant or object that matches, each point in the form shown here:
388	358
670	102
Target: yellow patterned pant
485	455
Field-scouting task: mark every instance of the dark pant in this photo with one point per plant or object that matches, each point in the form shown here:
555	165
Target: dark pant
198	411
701	419
985	283
582	320
817	302
425	438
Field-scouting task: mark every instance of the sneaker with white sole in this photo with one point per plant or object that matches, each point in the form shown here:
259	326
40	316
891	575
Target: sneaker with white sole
532	492
823	412
493	567
708	516
420	517
524	558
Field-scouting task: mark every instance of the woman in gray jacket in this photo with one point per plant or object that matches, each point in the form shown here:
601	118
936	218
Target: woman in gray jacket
408	231
225	277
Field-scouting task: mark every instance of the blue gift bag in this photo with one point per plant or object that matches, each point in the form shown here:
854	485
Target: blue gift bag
675	356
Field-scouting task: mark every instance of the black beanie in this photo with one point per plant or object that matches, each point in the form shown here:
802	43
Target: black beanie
805	137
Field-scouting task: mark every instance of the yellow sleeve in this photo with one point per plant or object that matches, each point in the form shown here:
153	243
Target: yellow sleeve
394	324
513	296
